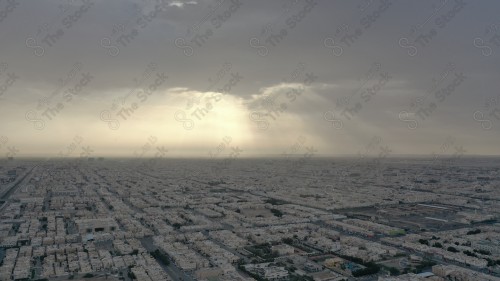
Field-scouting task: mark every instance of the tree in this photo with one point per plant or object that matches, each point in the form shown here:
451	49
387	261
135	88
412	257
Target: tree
483	252
366	271
277	213
161	257
472	232
469	253
437	245
423	241
394	271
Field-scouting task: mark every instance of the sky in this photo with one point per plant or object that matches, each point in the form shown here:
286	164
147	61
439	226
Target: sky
238	78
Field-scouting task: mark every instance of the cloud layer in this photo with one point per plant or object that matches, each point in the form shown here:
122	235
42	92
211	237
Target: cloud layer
112	74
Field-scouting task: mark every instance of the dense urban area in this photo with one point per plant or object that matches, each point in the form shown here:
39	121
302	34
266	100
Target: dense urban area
250	219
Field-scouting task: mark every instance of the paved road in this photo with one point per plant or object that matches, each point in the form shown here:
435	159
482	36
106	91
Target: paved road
172	270
16	184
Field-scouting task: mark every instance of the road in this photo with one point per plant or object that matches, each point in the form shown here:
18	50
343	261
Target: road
11	190
172	270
